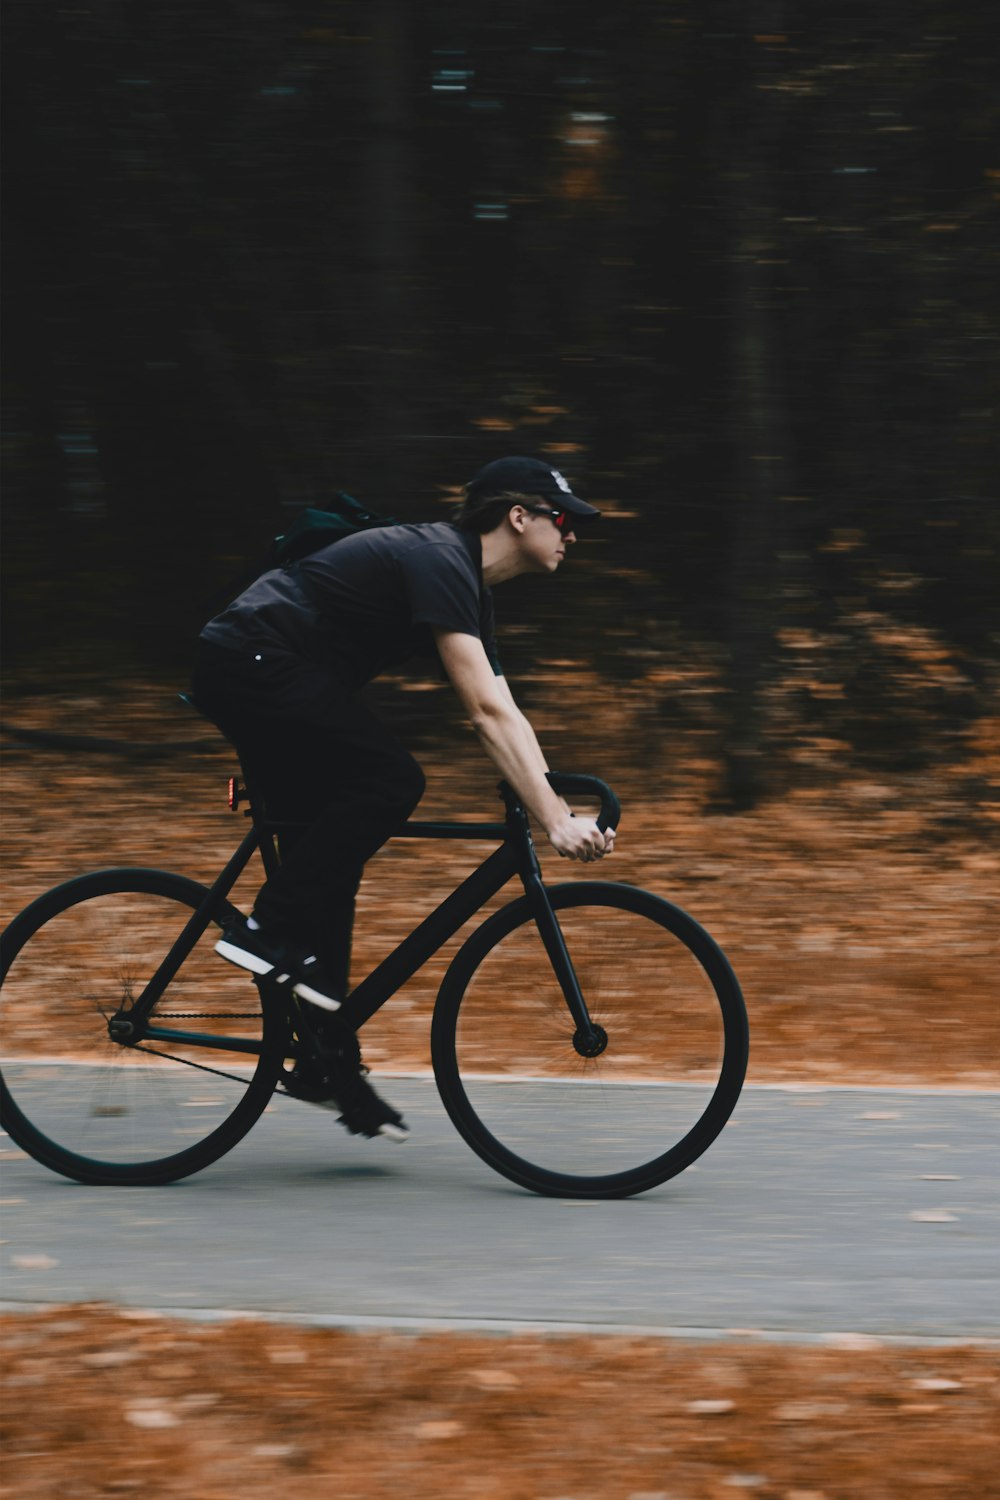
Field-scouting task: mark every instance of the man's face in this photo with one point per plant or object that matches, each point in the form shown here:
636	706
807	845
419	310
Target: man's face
543	542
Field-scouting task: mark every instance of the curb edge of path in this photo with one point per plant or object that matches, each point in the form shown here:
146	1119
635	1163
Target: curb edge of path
399	1323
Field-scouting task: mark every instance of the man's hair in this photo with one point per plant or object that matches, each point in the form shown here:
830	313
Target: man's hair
483	515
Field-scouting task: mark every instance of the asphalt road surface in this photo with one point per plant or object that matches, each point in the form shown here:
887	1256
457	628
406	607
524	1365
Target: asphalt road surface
817	1212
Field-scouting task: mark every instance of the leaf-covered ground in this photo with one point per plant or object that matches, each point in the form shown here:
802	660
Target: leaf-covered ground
102	1402
861	922
860	916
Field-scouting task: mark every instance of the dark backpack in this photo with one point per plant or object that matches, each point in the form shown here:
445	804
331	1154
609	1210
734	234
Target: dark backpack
315	526
318	526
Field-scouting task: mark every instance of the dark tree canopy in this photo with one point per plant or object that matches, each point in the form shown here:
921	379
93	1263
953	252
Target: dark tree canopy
735	270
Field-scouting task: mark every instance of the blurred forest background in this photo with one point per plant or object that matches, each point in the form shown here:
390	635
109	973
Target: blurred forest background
734	269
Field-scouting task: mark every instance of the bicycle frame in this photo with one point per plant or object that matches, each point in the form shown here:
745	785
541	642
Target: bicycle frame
515	856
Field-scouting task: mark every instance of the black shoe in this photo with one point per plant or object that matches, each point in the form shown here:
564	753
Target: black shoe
261	953
363	1112
345	1089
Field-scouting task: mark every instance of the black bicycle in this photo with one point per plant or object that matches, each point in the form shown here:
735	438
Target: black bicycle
589	1039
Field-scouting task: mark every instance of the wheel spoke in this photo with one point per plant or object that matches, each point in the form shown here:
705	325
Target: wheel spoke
642	1108
104	1110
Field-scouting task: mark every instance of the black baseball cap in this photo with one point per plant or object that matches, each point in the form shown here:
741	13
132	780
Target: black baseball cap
527	476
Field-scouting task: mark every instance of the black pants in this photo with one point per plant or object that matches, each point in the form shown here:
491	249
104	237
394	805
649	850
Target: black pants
319	756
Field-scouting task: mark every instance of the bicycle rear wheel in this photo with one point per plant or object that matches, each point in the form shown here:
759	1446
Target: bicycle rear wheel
92	1108
618	1123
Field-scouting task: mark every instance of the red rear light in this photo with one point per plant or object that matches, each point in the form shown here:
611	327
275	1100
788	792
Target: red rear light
234	794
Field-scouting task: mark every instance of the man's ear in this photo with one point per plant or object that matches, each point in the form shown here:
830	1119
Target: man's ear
518	517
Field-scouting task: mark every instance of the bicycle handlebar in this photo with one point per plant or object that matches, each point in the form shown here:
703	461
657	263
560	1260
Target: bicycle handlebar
568	784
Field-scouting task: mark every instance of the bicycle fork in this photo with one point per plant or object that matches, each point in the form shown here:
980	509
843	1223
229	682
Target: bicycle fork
589	1039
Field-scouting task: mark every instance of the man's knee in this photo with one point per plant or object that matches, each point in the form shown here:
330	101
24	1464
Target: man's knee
391	783
410	785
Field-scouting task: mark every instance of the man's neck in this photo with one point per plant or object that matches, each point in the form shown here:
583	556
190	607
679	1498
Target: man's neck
502	557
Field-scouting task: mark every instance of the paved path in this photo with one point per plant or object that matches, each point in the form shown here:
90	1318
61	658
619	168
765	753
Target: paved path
817	1211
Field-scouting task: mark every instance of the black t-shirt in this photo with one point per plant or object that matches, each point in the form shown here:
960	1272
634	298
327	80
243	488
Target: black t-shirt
367	602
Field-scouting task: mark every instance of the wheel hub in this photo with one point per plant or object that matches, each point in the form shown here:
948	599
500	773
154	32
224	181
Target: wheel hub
121	1029
592	1043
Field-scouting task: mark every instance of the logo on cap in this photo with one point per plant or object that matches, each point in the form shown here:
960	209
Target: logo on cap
560	481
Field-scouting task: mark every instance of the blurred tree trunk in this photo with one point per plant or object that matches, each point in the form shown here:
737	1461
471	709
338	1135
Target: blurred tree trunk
380	318
759	418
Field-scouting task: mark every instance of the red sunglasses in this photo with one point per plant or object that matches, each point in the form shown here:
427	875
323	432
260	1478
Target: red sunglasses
559	518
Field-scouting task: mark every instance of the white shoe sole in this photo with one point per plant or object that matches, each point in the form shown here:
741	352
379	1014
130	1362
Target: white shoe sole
314	997
248	961
256	965
395	1133
398	1134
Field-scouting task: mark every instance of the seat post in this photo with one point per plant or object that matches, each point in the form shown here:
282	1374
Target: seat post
266	830
266	841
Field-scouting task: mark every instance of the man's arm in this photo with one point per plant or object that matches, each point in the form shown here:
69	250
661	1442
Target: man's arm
510	743
534	748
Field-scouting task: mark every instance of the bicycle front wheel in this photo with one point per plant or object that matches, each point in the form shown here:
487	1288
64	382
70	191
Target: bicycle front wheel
655	1097
91	1107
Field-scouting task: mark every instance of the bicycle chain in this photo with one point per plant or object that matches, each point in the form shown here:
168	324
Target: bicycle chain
187	1063
207	1015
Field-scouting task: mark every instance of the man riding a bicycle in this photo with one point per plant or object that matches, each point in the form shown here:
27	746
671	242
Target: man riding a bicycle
281	671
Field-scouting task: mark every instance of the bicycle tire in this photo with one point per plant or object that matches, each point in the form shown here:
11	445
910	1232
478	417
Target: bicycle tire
557	1123
93	1109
